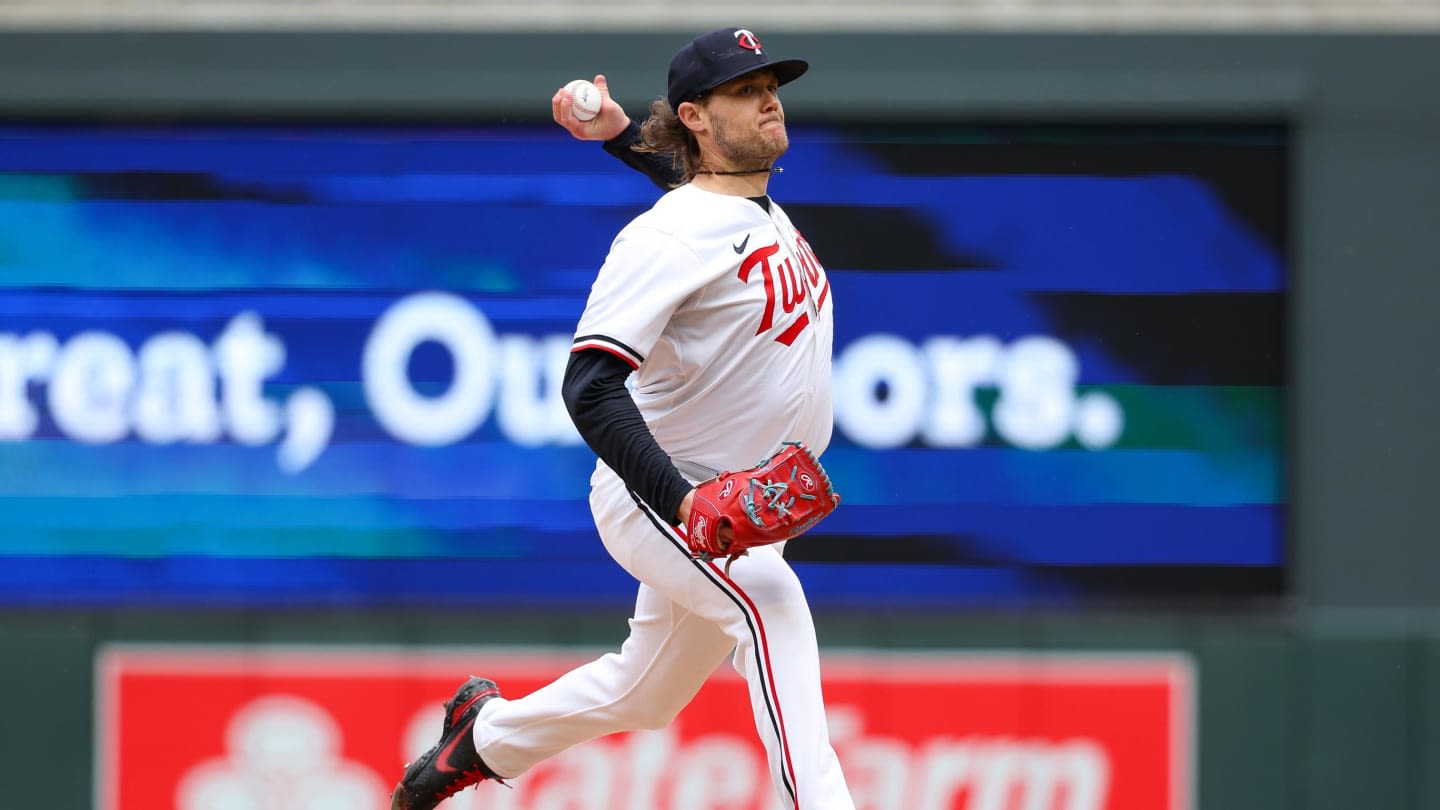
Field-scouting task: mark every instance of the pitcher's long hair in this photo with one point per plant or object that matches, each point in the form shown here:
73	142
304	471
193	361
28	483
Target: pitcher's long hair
663	134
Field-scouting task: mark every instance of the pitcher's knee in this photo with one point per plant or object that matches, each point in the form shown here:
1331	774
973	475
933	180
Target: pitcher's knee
769	585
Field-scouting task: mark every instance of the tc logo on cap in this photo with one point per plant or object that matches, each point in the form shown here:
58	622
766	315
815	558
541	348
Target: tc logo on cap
747	40
710	60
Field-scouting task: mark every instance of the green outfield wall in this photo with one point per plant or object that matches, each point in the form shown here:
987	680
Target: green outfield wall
1329	700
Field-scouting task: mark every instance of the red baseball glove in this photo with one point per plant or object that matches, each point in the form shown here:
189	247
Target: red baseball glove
777	499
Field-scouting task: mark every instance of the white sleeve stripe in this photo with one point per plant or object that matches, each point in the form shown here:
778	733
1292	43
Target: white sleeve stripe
608	344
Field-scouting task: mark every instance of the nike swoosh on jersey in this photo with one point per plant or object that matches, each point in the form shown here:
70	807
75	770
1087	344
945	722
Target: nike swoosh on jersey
740	248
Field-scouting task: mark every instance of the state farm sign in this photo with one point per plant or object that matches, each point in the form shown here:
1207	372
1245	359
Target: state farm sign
266	728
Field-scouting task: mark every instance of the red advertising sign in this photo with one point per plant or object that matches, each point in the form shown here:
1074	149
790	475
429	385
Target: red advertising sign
278	728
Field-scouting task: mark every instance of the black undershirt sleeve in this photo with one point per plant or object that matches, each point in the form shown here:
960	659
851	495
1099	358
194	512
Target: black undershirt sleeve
611	424
658	168
594	387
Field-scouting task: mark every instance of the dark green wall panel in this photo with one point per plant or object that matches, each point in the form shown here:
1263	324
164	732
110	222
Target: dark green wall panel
1355	723
1248	717
1425	744
46	702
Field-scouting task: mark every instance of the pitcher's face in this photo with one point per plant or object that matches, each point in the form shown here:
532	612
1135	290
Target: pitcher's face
747	121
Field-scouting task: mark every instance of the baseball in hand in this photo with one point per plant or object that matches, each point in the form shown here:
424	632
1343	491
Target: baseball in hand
586	99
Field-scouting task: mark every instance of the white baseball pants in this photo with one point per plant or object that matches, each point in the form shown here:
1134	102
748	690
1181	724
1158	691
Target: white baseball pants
688	616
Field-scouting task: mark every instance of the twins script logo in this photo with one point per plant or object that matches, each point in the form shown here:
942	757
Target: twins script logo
785	288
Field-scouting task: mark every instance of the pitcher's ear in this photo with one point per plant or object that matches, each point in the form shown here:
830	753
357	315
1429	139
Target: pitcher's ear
692	115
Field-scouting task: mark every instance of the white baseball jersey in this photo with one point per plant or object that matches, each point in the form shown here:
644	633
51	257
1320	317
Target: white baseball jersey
726	314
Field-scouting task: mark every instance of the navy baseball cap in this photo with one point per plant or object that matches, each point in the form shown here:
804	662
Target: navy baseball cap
712	59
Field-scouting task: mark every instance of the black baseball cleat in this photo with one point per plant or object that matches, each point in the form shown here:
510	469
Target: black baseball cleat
452	764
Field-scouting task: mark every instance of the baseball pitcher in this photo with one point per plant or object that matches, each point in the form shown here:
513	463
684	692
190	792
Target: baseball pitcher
716	312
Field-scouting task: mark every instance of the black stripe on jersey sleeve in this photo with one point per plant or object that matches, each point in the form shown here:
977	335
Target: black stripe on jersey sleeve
608	344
